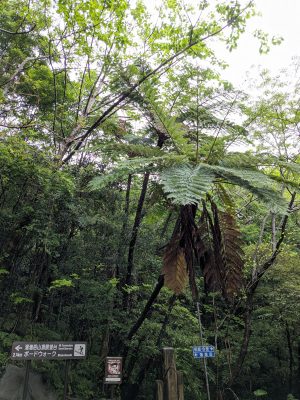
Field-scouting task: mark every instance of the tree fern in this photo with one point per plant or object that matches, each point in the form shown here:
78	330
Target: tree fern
163	121
186	184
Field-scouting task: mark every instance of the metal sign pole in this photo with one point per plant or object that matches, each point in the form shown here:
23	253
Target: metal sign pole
67	365
204	359
26	380
112	392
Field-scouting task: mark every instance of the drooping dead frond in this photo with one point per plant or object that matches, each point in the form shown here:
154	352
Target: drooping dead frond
220	253
214	243
208	252
174	266
231	252
188	232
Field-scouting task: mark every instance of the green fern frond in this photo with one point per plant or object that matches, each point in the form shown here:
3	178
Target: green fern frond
291	183
132	150
290	166
185	184
255	182
136	165
164	122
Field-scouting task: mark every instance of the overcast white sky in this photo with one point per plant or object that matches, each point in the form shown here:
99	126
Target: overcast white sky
279	18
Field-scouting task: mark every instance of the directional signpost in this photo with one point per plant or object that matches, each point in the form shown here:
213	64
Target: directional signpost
48	350
204	351
40	351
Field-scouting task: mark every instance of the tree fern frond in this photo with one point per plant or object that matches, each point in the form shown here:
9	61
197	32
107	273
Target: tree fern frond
132	150
122	169
255	181
290	166
185	184
164	122
120	172
292	183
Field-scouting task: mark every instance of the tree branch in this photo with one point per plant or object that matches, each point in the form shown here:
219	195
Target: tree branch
124	95
18	33
267	264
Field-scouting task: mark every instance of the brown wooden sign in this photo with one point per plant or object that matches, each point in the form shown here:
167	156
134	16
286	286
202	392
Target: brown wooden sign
113	370
48	350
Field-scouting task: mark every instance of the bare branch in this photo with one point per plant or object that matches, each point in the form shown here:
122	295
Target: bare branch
18	33
267	264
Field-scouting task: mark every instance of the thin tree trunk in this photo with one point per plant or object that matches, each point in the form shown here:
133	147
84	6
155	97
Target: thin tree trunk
134	234
251	289
150	362
246	339
291	358
273	231
122	240
147	308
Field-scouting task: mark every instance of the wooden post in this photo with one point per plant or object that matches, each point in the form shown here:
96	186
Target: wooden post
66	384
170	374
159	390
180	386
26	380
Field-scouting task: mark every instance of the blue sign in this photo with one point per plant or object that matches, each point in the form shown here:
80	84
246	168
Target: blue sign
204	351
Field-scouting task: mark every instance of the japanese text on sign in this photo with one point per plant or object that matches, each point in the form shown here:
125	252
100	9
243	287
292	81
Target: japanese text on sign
48	350
204	351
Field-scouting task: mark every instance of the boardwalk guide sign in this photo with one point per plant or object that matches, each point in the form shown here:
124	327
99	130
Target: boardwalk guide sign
48	350
39	351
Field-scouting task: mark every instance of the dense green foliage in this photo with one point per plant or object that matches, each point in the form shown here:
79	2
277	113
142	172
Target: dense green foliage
118	174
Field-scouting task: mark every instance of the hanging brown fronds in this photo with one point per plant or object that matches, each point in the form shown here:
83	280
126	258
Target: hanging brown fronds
219	250
227	241
188	232
215	244
208	252
175	267
232	255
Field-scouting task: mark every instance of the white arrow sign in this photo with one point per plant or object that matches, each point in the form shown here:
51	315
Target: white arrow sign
18	348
